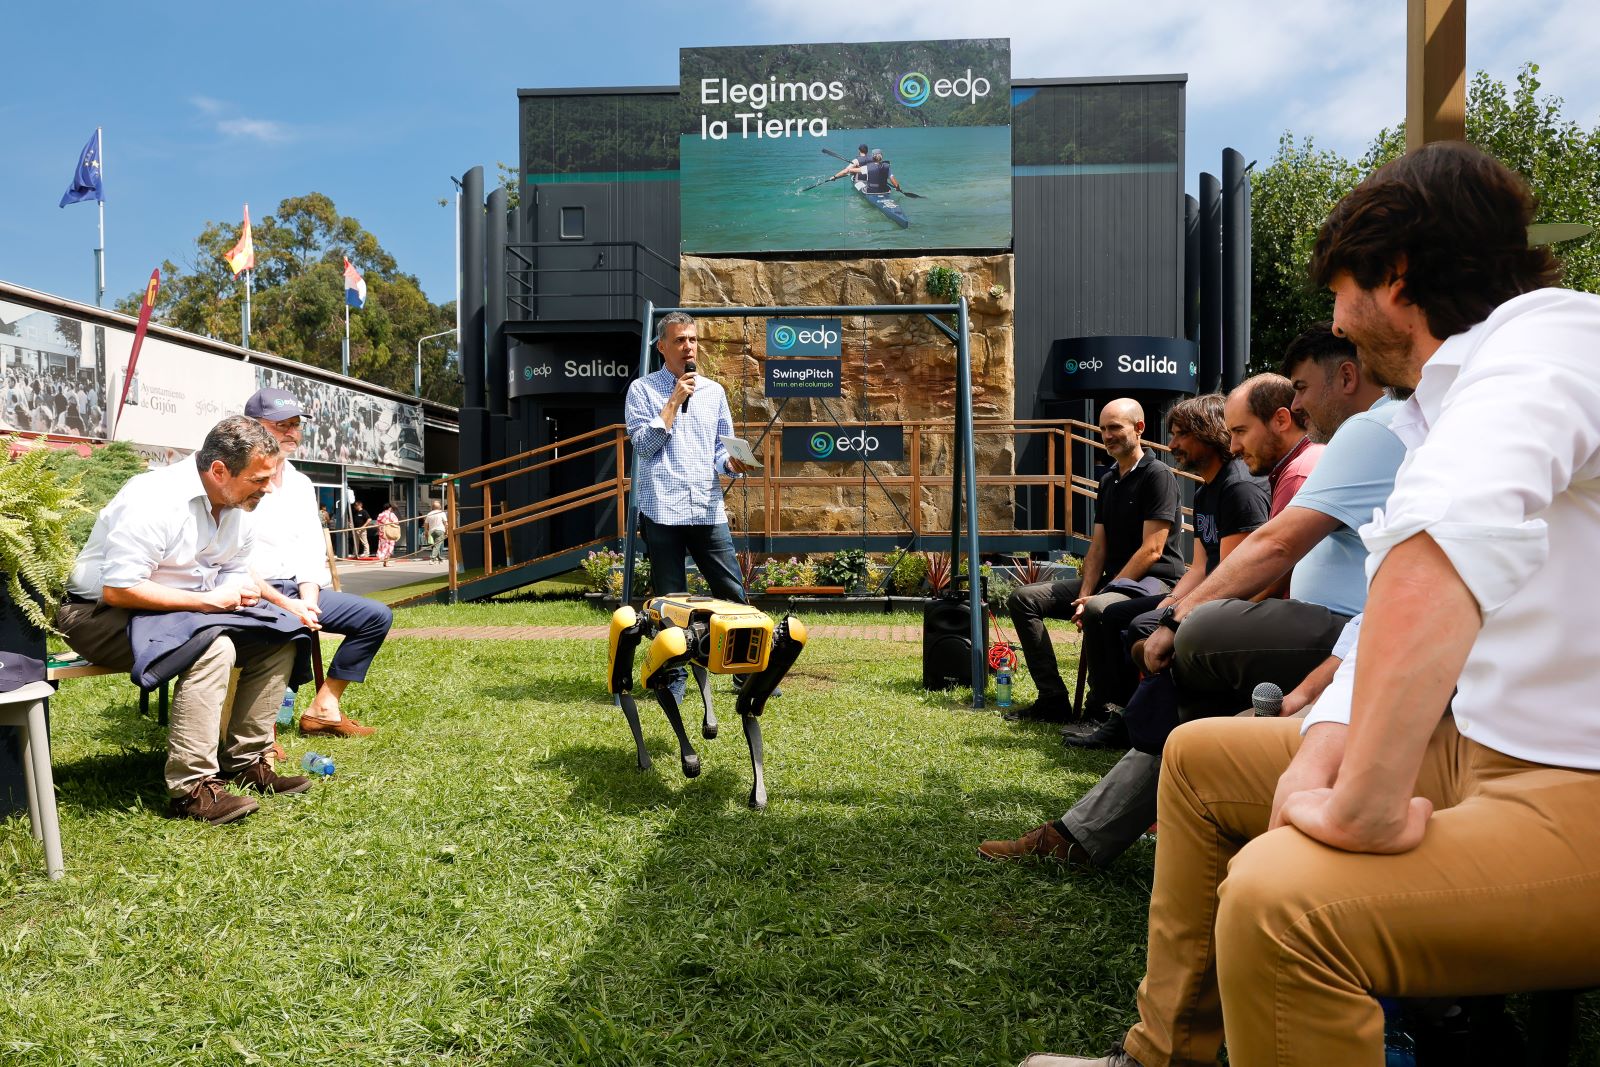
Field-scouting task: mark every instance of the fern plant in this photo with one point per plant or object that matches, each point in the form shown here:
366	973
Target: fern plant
36	544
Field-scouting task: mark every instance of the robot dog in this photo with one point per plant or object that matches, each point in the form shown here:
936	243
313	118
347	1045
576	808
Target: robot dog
712	637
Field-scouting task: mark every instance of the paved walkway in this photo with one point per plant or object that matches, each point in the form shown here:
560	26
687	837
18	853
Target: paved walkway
905	633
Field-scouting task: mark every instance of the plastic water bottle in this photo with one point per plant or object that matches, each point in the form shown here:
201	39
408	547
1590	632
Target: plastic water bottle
1399	1048
1002	687
286	709
316	763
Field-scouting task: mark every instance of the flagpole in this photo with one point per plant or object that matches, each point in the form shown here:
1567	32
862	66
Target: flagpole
244	328
100	253
344	354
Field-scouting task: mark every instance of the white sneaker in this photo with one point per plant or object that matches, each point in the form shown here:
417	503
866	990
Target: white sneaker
1116	1058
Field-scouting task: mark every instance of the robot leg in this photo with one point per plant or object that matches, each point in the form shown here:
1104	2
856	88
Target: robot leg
626	631
788	640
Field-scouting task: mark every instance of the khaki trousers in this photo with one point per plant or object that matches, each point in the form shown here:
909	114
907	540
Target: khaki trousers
1282	942
100	633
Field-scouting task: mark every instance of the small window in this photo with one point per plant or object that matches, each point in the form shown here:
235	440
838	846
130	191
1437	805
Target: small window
572	223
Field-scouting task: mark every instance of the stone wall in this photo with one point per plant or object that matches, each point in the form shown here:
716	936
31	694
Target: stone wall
896	369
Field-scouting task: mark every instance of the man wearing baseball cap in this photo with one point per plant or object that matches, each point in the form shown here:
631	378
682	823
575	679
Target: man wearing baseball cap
291	565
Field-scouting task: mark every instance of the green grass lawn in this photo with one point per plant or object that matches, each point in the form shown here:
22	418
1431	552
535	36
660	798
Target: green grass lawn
489	880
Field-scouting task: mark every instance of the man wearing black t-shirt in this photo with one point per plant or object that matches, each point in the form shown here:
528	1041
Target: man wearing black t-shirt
1134	552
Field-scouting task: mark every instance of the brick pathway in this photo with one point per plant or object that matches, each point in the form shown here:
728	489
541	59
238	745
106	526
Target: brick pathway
906	633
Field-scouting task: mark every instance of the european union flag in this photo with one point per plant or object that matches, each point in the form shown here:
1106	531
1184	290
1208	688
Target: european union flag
86	179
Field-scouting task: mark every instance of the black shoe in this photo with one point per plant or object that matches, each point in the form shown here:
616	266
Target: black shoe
1045	709
1113	733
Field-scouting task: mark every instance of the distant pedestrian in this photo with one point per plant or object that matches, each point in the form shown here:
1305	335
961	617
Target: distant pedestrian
435	522
388	532
359	521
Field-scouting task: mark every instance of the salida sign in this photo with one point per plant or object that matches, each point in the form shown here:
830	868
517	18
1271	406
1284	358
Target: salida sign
1124	364
845	443
536	370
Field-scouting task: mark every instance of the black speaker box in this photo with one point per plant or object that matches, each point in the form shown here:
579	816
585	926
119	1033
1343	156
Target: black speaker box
947	643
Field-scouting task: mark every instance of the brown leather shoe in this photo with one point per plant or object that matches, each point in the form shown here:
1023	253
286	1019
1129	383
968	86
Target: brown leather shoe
260	777
211	802
1044	843
311	726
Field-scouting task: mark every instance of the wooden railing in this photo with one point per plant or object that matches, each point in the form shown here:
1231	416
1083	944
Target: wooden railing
921	479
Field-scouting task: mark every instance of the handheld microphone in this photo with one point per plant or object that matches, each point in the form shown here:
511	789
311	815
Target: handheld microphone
688	368
1267	699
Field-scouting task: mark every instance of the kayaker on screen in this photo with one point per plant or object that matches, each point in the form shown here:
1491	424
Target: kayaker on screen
863	157
876	173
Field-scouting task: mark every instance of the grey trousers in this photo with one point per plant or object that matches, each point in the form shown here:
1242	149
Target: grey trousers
100	633
1109	818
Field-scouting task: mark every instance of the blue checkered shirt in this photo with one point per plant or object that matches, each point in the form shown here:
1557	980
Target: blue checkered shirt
675	471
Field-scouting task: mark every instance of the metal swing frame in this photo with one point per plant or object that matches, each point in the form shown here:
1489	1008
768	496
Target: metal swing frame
964	473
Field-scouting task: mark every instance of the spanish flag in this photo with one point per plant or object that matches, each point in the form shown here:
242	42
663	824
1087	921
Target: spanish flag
243	256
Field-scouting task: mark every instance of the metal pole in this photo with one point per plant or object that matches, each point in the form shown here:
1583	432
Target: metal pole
629	549
417	377
344	351
100	253
969	450
244	323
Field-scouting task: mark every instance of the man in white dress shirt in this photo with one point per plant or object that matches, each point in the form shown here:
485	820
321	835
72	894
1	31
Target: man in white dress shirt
1433	831
290	559
177	539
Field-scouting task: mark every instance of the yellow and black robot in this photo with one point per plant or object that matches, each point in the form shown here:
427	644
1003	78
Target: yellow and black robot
711	637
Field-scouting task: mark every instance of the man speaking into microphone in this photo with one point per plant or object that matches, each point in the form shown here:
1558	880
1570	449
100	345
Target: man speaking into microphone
679	454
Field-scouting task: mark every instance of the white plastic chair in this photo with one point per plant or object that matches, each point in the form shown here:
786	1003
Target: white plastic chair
24	709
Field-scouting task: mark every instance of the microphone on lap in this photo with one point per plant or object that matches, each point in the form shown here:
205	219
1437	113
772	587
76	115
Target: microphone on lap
1267	699
688	368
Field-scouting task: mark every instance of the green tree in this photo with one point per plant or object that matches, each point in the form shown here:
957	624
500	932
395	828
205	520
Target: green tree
1290	198
297	307
1288	201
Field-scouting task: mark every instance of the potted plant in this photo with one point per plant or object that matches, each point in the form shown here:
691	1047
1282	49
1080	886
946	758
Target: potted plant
37	551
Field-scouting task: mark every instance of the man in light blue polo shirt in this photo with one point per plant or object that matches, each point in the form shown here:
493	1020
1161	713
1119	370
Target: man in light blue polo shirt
1222	648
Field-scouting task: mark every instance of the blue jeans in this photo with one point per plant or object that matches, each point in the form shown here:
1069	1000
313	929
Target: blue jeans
712	549
361	622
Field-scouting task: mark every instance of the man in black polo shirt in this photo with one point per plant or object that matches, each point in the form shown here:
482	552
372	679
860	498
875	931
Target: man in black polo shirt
1134	552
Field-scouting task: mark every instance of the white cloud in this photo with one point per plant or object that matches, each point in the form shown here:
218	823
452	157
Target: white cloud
1333	70
264	130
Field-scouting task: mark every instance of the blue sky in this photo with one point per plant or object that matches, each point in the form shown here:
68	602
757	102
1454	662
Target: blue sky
377	105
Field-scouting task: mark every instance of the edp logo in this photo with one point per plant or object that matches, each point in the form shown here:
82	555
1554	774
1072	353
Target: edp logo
914	87
821	445
804	337
1074	366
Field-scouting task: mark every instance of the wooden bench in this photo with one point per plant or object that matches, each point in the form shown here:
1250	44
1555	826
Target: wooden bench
64	667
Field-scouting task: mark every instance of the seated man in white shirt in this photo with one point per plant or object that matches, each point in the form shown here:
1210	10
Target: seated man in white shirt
291	562
1432	831
177	540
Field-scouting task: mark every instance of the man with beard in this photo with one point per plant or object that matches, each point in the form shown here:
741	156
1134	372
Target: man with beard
1397	841
1133	552
1228	505
176	540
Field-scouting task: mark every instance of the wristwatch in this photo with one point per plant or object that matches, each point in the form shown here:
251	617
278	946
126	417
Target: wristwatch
1166	618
